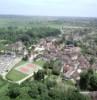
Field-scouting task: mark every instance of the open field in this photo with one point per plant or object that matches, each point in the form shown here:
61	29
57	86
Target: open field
1	82
24	21
3	86
38	21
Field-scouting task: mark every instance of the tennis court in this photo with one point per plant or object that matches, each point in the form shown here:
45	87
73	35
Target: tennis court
27	68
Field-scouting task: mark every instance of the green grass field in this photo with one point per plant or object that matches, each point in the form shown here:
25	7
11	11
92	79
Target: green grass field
1	82
3	87
15	75
39	62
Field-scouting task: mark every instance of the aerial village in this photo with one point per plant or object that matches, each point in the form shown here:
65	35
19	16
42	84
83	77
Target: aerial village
72	60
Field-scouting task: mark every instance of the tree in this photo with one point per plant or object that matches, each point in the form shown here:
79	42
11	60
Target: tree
13	91
39	75
91	61
50	83
56	67
51	64
33	91
88	80
46	65
25	58
93	83
42	88
56	94
84	81
75	95
85	78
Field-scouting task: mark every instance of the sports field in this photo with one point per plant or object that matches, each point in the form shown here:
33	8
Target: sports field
27	68
23	69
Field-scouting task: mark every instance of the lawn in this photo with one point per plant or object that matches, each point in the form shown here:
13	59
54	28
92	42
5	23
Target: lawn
15	75
2	82
20	63
3	87
39	62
